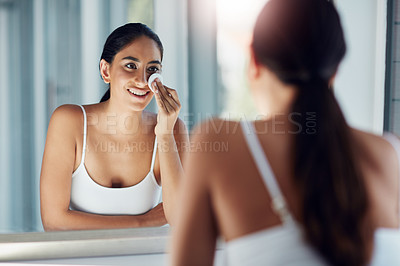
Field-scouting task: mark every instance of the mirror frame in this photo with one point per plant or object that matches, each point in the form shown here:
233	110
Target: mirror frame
82	244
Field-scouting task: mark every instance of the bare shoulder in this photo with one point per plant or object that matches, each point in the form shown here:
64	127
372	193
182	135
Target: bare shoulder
216	129
216	150
373	141
64	131
216	142
378	150
66	115
67	121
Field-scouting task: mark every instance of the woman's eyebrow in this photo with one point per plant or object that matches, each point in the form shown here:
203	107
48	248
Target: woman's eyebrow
137	60
155	62
131	58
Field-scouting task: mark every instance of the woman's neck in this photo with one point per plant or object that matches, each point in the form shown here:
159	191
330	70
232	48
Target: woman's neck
120	120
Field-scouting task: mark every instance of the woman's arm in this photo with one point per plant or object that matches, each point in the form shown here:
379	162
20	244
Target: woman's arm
56	175
173	143
170	151
195	231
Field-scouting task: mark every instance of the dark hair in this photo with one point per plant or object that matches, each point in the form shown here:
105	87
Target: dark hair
302	42
123	36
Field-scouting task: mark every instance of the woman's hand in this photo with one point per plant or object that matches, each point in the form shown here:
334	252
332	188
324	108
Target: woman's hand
168	109
172	142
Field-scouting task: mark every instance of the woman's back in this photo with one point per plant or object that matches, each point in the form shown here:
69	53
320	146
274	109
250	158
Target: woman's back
241	201
243	205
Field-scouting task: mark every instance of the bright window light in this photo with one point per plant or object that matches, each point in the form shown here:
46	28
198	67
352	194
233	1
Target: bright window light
235	22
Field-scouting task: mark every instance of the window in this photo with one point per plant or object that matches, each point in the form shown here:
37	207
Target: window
235	22
392	86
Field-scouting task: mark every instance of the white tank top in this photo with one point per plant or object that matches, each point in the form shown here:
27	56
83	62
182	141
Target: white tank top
89	196
284	244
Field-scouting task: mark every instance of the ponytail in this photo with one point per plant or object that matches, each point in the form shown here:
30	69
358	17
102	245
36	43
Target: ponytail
335	201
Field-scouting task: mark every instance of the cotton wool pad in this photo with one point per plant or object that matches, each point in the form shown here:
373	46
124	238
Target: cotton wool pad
152	78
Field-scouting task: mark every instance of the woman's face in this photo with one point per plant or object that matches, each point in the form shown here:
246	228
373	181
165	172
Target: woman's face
130	70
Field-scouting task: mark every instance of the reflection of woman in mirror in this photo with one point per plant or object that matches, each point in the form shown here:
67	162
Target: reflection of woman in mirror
299	187
104	164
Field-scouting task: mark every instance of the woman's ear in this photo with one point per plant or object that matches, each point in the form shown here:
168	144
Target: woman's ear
254	66
105	70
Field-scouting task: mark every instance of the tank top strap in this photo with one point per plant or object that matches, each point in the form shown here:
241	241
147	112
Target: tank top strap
395	142
84	134
278	203
153	158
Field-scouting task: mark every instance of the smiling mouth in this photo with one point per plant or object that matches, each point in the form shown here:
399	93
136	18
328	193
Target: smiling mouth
138	93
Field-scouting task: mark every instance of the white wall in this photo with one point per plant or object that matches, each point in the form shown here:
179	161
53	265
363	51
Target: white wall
360	81
171	27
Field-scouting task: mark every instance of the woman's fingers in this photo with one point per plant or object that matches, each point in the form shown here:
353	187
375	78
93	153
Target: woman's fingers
162	100
174	95
160	93
167	96
159	100
169	107
171	96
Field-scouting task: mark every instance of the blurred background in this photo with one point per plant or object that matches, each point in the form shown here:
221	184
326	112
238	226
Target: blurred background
50	50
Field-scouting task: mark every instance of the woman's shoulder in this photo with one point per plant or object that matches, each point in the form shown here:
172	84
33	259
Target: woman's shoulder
213	143
67	118
377	149
74	112
218	140
376	142
66	112
216	129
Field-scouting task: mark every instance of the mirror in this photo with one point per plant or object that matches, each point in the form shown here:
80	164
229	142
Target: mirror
50	50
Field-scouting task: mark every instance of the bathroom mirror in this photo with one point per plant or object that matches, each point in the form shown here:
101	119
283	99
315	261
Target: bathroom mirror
50	51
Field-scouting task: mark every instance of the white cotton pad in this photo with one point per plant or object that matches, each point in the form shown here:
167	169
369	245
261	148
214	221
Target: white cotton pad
152	78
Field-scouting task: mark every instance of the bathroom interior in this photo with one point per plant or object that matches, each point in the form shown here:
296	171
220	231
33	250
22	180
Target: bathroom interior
49	53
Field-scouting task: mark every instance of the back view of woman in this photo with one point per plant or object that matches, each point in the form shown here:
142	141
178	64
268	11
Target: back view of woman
299	187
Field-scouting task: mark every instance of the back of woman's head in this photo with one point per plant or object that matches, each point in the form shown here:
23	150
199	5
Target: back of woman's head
302	42
122	37
299	39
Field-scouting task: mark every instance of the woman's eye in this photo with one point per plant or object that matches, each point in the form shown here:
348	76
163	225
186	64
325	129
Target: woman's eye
131	66
153	69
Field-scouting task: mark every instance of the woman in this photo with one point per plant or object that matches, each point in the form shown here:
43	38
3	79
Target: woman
300	187
104	164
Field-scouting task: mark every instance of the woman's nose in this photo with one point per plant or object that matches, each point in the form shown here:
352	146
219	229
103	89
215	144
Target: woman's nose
141	78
